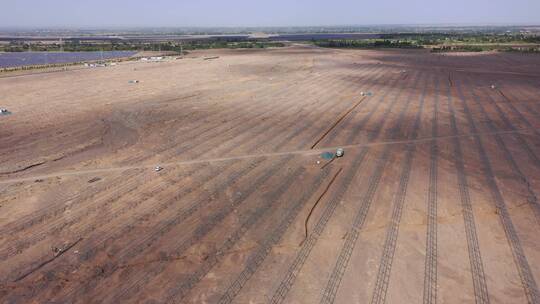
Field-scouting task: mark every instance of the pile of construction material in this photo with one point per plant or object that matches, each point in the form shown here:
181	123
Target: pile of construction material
95	65
153	58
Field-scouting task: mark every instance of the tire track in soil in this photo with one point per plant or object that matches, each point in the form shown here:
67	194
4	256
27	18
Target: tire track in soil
144	276
430	271
196	131
385	264
290	276
178	293
59	224
55	209
255	261
475	257
506	101
356	130
522	264
201	137
113	215
334	281
233	147
91	246
109	216
381	73
75	221
346	251
530	152
348	120
526	94
531	196
266	112
264	129
247	129
308	245
508	123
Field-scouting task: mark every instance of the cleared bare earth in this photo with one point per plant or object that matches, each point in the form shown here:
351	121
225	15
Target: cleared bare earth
436	199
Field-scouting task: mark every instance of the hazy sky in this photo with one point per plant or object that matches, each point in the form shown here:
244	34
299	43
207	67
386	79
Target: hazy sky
102	13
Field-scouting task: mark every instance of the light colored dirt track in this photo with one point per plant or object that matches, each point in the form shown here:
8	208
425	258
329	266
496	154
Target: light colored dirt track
435	201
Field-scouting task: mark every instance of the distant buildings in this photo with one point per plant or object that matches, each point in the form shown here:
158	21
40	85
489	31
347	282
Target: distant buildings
153	58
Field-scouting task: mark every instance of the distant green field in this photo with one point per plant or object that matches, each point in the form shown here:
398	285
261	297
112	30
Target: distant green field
368	43
443	42
114	46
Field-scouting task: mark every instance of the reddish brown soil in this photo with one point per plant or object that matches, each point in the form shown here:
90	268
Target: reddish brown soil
435	200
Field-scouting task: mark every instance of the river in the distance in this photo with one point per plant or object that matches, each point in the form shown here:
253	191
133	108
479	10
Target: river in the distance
17	59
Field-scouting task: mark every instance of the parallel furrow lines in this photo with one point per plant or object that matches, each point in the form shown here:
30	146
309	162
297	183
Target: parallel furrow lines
142	243
522	142
269	110
198	135
137	248
430	271
309	243
137	284
475	257
177	293
346	251
358	127
353	233
295	267
522	264
320	105
531	196
335	132
322	110
385	265
242	126
255	260
348	123
389	248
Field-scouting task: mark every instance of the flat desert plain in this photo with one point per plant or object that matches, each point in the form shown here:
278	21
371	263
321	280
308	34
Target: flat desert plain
434	201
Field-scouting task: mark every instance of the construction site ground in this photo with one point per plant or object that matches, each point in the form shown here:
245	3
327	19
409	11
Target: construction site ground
435	199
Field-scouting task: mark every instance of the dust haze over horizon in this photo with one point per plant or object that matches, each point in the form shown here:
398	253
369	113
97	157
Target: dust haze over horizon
243	13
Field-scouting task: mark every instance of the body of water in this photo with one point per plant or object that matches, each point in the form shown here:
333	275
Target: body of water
18	59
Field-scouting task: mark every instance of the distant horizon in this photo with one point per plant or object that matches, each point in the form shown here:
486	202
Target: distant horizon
389	25
251	14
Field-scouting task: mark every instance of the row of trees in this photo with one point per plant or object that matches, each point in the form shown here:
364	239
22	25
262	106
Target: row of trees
475	38
76	46
369	43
